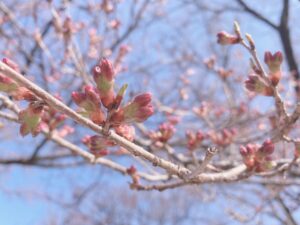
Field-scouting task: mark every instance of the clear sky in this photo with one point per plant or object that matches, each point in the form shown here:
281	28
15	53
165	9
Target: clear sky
22	189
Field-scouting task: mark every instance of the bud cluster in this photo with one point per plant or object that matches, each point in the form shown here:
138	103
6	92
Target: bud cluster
164	133
194	139
258	158
223	138
104	107
255	84
97	144
37	115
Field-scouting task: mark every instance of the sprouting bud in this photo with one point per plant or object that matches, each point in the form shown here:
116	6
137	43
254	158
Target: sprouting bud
104	77
267	147
167	131
237	29
243	150
125	131
251	41
23	93
225	38
90	103
131	170
274	63
254	84
97	144
30	119
194	139
88	100
7	84
251	149
258	158
138	110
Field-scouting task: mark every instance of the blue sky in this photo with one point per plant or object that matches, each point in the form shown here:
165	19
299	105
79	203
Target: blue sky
19	185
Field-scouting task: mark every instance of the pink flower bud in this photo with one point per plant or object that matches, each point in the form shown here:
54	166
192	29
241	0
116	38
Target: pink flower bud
104	77
23	93
11	64
143	113
225	38
274	62
98	144
90	103
244	152
167	131
143	99
104	71
267	147
194	140
89	100
131	170
251	149
126	131
138	110
30	119
7	84
254	84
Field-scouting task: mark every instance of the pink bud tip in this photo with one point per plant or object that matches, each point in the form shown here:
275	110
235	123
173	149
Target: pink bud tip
143	99
225	38
267	147
107	69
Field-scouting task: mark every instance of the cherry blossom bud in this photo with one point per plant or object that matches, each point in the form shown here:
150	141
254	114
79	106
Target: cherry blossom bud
7	84
126	131
258	158
104	77
11	64
249	162
97	144
23	93
251	149
131	170
167	130
267	147
30	119
250	41
225	38
243	150
194	140
138	110
254	84
90	103
142	99
56	121
274	62
88	100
